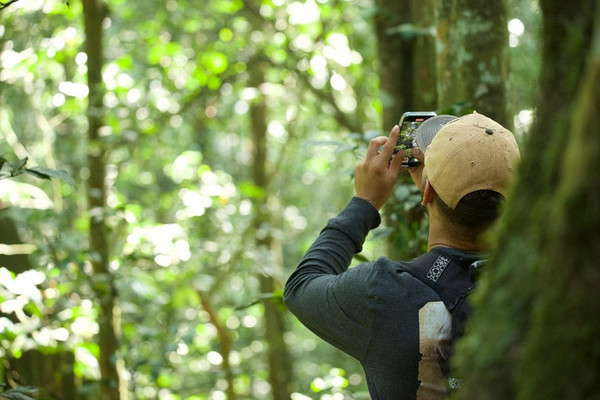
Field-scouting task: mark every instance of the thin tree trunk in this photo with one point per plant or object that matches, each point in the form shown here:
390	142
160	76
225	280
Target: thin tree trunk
534	334
451	91
395	54
424	15
94	12
278	355
406	46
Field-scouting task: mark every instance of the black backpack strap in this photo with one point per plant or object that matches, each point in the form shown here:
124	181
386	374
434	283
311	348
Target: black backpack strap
451	282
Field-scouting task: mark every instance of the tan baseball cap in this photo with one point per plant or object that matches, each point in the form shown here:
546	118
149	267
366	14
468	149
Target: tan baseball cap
470	153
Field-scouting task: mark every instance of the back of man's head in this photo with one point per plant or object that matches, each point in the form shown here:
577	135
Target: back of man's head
470	163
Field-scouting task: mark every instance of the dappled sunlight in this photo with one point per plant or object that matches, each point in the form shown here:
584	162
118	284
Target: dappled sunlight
516	28
78	90
301	13
168	242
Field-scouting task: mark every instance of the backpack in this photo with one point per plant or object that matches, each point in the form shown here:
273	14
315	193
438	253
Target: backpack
452	283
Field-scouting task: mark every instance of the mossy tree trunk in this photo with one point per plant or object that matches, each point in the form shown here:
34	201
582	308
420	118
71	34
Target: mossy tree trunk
535	332
473	52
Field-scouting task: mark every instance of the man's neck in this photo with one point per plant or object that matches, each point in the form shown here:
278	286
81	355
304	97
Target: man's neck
440	237
467	247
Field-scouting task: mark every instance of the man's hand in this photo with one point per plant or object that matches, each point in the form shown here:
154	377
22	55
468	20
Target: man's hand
416	172
375	176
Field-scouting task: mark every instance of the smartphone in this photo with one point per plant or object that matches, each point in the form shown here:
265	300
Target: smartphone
409	123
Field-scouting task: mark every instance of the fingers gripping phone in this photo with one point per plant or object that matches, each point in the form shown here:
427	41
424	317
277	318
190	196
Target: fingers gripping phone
407	140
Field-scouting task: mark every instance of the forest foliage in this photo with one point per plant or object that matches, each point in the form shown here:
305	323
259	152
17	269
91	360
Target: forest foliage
181	198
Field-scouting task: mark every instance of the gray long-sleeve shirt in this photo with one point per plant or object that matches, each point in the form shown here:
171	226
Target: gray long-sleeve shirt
394	324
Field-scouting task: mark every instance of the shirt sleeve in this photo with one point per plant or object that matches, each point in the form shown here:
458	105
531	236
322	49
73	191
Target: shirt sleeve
325	296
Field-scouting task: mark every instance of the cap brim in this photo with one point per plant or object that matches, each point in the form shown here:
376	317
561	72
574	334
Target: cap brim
430	127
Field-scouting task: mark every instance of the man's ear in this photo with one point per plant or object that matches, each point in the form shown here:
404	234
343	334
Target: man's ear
428	193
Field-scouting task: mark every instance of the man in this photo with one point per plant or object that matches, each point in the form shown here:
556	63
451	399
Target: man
390	321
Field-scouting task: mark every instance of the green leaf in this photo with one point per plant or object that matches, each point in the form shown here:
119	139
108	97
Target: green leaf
185	296
9	170
252	191
20	393
276	296
216	62
19	164
47	173
125	62
164	381
228	6
361	258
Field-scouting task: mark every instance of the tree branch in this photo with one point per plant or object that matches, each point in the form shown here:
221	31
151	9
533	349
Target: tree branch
3	5
225	341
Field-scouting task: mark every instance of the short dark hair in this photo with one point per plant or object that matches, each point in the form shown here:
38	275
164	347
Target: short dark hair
475	213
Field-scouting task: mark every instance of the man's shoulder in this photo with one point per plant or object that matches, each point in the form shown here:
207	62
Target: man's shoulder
385	274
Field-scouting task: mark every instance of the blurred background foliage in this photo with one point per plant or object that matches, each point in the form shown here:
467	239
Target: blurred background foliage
181	203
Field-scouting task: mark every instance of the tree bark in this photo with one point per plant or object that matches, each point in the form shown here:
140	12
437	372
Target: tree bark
52	374
535	328
278	354
473	69
424	15
94	12
9	234
406	50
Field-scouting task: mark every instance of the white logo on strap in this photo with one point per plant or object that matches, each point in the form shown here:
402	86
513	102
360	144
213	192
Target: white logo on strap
437	269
